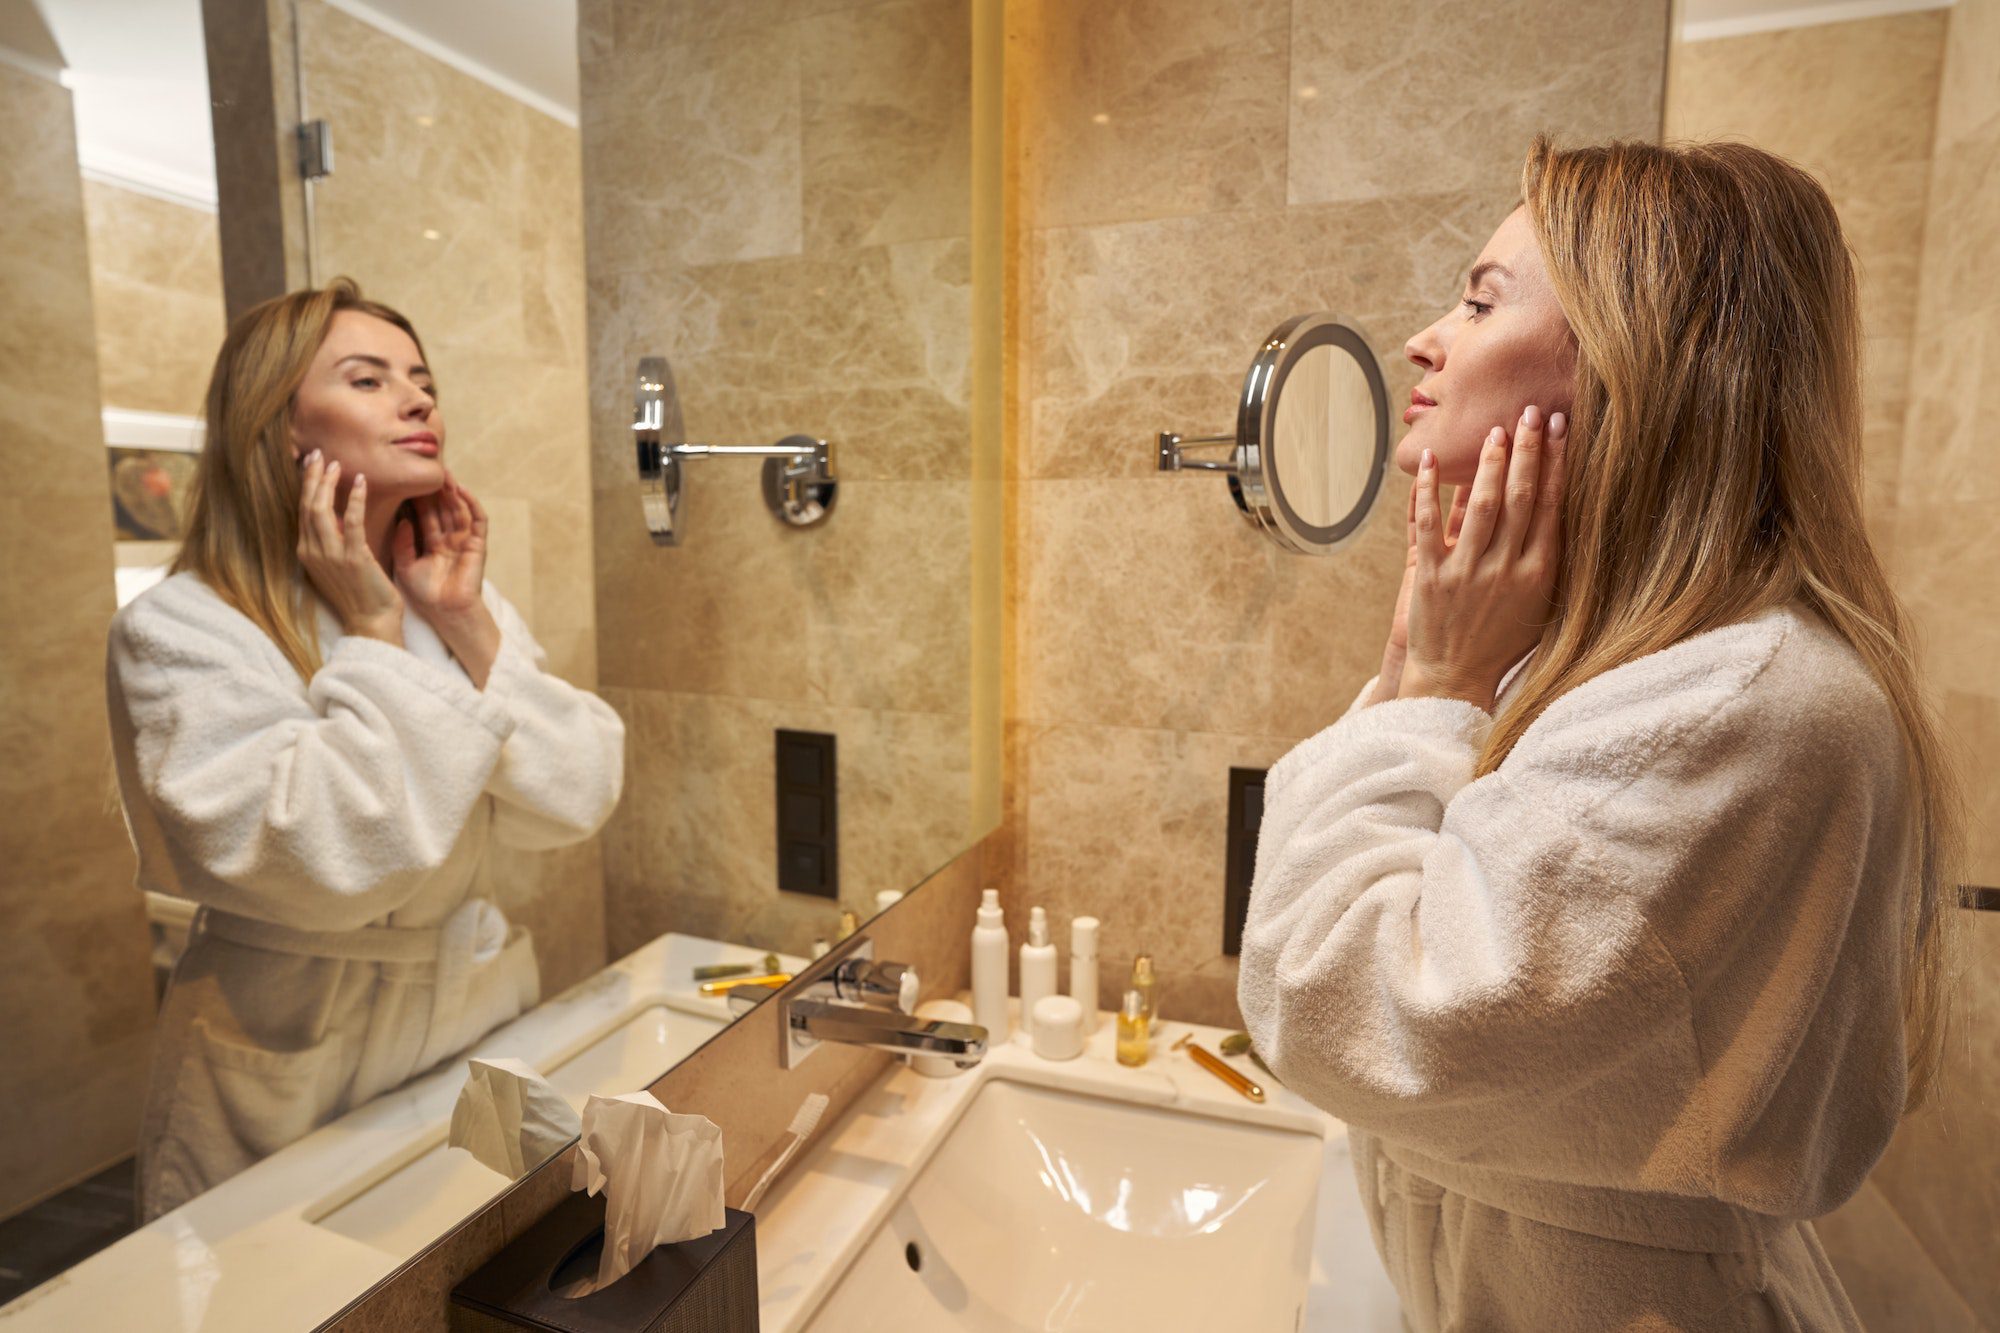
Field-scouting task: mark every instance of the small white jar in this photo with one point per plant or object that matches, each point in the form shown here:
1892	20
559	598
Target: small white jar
1058	1027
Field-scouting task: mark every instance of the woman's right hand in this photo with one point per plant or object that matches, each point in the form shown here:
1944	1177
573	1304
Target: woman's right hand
1394	653
333	550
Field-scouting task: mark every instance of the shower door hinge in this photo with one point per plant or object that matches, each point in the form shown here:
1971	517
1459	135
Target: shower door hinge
315	150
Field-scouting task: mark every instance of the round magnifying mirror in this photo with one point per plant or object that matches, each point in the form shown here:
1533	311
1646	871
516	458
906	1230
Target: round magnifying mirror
1312	434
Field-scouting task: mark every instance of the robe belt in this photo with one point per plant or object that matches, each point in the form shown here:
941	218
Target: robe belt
1668	1221
370	944
451	953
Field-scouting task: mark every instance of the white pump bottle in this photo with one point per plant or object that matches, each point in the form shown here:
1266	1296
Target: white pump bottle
1038	969
989	969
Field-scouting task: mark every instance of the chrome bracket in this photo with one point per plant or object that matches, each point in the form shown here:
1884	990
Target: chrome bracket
798	480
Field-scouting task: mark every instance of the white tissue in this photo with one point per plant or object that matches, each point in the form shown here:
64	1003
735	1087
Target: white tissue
661	1174
509	1117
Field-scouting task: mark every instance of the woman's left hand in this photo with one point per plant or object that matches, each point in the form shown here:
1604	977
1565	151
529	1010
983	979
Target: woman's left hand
1479	606
443	584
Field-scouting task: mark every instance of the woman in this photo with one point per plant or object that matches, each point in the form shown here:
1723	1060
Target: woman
317	717
1609	917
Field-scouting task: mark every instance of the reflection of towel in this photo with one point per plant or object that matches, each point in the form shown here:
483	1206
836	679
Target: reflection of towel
1657	951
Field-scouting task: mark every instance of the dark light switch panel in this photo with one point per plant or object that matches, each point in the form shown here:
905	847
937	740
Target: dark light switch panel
1246	812
807	814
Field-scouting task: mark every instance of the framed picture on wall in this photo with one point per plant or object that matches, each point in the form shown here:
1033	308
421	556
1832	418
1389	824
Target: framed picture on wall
152	459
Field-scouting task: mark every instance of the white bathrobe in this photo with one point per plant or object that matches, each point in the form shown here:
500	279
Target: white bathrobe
1609	1023
331	832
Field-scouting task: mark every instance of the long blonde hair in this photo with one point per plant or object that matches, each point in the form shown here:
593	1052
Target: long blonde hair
1715	465
242	532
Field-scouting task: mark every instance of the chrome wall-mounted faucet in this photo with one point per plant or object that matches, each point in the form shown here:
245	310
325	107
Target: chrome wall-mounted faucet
849	998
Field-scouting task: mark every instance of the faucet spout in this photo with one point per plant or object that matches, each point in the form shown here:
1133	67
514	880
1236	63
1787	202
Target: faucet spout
964	1044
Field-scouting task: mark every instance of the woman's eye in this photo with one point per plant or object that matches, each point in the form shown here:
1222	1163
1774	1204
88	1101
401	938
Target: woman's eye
365	379
1480	307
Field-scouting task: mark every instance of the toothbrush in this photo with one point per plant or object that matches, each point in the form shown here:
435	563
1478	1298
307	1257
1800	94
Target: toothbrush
803	1124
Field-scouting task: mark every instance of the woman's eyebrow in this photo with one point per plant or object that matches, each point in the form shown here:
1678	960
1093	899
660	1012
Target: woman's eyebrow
379	362
1480	270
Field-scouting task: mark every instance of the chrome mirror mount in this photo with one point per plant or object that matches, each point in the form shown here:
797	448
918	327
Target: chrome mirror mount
1311	445
798	481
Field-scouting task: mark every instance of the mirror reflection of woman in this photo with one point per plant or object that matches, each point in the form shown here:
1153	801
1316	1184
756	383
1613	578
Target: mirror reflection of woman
319	717
1616	917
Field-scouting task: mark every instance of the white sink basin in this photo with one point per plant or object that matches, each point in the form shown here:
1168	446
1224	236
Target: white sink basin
1049	1210
1028	1194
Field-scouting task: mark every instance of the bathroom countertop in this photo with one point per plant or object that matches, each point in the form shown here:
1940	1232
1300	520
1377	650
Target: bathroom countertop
812	1223
252	1253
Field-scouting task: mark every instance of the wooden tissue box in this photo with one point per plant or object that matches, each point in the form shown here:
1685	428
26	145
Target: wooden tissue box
707	1285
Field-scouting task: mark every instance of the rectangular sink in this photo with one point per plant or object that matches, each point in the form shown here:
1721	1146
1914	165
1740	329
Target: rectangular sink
1047	1209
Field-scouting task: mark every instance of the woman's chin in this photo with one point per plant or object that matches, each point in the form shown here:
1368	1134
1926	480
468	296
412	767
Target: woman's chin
411	474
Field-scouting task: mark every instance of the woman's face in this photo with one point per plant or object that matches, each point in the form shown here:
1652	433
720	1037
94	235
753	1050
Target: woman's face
1488	361
368	403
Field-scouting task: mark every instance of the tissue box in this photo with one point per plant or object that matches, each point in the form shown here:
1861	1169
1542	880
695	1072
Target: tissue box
707	1285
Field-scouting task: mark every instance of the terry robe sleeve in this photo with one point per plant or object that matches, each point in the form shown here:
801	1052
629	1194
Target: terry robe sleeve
323	808
561	771
1656	949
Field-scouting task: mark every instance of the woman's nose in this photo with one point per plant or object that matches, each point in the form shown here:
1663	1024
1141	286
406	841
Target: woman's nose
1423	348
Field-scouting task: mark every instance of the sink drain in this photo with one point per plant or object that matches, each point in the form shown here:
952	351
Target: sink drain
914	1257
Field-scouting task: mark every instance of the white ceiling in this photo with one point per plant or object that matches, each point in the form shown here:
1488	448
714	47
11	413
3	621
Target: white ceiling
139	74
139	79
524	47
1706	19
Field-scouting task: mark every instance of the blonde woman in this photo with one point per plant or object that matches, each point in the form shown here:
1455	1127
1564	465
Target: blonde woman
1615	917
318	717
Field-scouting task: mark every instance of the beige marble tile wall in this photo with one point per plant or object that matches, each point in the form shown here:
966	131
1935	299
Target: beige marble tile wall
462	207
1189	175
156	285
76	985
1869	143
777	200
1942	1173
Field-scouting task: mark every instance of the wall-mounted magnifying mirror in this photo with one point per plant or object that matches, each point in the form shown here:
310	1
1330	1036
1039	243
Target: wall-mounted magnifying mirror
656	428
1312	436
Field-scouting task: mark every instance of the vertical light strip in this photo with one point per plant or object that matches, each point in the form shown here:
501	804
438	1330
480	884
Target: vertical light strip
988	555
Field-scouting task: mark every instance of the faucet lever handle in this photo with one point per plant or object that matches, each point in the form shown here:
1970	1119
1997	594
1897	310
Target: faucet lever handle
883	985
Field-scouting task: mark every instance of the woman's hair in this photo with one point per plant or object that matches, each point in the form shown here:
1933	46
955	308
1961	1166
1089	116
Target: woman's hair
1714	465
242	533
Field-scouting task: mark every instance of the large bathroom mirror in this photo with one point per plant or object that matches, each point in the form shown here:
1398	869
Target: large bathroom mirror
775	201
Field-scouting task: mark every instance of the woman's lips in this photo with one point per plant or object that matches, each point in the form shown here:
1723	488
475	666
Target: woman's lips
428	448
1410	412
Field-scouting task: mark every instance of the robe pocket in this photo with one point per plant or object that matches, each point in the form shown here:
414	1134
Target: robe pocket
506	987
270	1098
